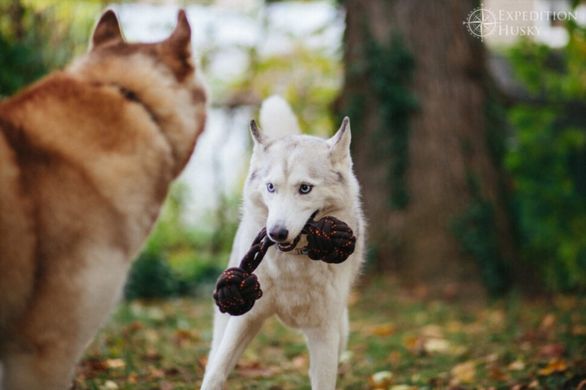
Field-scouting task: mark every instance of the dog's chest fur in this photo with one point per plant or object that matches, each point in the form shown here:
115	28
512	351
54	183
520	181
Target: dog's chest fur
301	290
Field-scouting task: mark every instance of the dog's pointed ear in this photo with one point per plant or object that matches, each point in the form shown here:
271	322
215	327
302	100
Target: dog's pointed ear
107	30
340	142
256	133
180	39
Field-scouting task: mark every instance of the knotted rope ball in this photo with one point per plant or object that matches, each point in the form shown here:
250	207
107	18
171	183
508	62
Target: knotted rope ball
328	239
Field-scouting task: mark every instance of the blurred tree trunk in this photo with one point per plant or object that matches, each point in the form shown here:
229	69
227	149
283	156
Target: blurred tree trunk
431	183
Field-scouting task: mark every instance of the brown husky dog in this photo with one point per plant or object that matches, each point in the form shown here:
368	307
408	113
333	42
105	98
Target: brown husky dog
86	159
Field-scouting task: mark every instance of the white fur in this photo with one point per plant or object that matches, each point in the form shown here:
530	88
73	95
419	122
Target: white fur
305	294
277	119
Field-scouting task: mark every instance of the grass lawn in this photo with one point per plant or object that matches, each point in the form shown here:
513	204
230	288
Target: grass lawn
397	342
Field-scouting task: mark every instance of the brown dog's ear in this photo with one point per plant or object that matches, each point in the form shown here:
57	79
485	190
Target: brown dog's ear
107	30
180	40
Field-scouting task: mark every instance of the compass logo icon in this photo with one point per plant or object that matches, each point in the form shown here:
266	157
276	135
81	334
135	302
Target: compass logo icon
480	22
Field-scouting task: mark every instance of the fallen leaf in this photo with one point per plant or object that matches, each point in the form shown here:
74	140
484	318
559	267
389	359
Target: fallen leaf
156	372
202	361
579	330
132	378
432	330
498	374
109	385
554	365
92	366
395	358
381	330
552	350
402	387
256	370
380	380
517	365
133	327
436	345
548	322
185	336
300	362
415	344
345	357
464	373
115	363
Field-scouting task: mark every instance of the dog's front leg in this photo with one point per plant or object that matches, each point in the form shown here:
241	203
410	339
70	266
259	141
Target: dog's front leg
323	344
237	335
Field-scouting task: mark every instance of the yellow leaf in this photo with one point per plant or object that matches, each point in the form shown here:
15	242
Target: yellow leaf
432	330
517	365
436	345
579	330
114	363
554	365
464	373
382	330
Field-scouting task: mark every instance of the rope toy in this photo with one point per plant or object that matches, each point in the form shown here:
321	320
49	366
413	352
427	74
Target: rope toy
328	239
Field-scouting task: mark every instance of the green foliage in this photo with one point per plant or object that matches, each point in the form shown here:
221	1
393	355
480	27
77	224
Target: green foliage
22	60
39	36
548	158
475	230
20	64
179	259
151	277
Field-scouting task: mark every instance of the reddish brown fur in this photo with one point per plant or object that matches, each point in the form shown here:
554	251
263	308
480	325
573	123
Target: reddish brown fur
83	172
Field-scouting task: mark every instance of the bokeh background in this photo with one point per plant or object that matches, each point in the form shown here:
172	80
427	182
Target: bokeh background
471	153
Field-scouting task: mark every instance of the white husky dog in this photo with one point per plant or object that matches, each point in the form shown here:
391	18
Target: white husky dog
291	176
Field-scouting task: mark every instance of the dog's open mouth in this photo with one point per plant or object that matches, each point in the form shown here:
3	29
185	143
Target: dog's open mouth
287	247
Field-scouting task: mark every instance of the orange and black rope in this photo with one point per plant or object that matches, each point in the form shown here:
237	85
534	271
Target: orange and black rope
328	239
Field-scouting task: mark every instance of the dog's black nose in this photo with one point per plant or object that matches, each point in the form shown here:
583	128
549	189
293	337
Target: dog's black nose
278	233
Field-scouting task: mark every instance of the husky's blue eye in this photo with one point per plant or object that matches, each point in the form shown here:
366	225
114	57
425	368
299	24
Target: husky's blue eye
270	187
305	188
